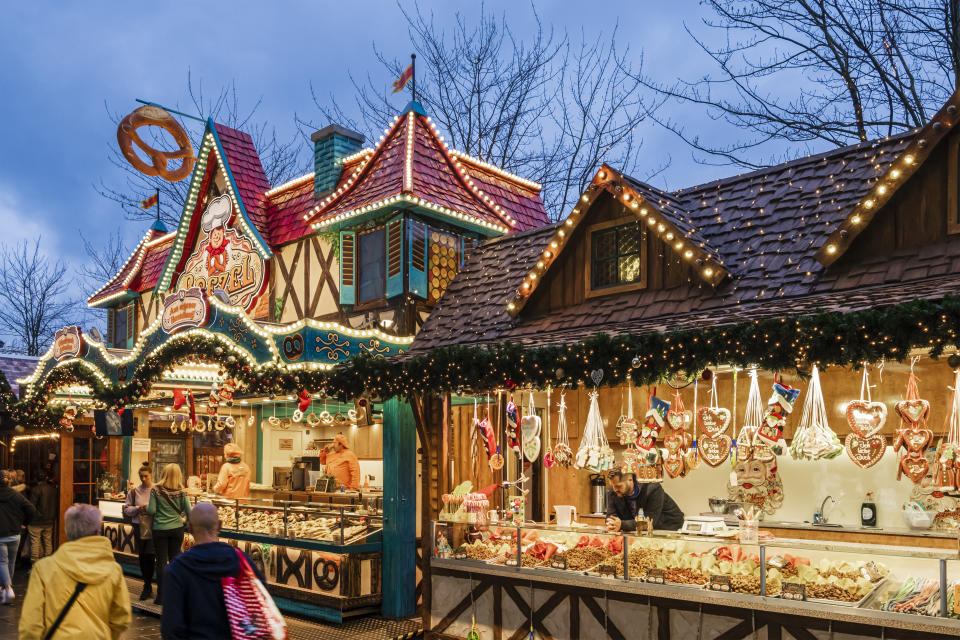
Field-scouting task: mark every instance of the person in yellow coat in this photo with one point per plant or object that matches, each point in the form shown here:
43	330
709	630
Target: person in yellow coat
342	463
234	478
102	608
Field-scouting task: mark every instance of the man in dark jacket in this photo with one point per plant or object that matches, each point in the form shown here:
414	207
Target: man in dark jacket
46	499
193	604
627	498
15	512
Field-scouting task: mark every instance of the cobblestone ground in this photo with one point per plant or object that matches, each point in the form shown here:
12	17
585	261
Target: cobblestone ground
146	623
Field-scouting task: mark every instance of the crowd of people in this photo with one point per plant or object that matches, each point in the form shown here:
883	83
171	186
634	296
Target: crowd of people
79	589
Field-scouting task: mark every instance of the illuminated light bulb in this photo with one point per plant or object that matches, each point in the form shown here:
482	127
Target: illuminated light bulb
881	189
670	236
868	204
832	248
895	174
561	233
585	198
553	244
855	219
526	285
547	254
688	254
651	221
634	205
532	276
908	159
569	222
661	228
540	264
678	246
643	211
708	272
511	306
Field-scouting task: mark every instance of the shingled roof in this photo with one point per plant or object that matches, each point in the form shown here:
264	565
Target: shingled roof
141	270
413	164
766	227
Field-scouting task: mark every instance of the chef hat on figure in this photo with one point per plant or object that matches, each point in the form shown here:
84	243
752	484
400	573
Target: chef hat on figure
217	214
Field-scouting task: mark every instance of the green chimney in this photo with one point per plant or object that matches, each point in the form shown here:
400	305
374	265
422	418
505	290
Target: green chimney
330	145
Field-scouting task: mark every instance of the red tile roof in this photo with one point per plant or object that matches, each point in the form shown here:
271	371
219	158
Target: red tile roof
143	265
244	163
436	175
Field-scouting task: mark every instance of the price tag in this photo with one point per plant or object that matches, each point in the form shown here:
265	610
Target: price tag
794	591
558	563
655	576
607	570
719	583
511	562
956	598
459	556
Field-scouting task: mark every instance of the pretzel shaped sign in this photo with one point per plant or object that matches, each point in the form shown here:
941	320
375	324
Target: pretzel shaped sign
127	136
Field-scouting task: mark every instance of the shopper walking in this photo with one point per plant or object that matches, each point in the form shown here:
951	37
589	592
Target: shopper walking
135	508
79	591
194	604
15	513
170	509
46	499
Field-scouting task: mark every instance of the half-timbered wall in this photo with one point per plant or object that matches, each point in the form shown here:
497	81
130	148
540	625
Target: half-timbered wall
566	283
304	281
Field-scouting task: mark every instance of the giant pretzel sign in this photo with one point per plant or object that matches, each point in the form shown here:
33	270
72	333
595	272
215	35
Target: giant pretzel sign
127	136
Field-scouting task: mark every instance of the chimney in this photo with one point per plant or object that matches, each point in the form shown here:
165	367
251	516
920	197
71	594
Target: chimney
330	145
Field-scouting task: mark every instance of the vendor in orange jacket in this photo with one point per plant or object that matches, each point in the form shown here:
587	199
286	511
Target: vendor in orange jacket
234	478
342	463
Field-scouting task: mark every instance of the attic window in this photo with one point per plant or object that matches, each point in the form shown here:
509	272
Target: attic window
616	258
371	258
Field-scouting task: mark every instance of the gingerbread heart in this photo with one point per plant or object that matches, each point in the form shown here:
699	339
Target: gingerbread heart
866	418
678	419
674	440
913	411
713	421
714	450
917	439
865	450
914	467
673	465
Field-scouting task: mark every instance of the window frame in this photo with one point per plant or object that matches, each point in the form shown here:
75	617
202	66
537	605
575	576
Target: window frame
953	183
358	265
592	292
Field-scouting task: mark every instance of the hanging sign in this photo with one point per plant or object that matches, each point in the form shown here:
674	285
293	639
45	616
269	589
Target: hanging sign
141	445
68	343
224	258
185	308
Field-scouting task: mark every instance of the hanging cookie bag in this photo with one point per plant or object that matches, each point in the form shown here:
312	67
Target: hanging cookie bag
814	438
562	453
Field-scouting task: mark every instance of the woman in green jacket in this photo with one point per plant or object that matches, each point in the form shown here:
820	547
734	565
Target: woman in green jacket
170	509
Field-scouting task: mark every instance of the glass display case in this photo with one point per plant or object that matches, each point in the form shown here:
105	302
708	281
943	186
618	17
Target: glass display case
908	580
315	521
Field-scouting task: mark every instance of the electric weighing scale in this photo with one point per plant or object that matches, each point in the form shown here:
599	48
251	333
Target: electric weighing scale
703	525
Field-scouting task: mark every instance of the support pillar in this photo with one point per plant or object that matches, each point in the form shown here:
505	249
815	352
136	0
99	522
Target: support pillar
399	509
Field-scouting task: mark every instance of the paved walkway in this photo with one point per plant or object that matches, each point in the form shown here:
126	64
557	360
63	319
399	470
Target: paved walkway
146	621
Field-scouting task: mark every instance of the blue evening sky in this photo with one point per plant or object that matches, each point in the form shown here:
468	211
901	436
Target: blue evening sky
63	62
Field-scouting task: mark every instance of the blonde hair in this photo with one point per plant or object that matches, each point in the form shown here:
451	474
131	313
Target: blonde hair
172	477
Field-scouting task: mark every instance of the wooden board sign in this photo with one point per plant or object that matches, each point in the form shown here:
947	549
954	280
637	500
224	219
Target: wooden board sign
719	583
185	309
793	591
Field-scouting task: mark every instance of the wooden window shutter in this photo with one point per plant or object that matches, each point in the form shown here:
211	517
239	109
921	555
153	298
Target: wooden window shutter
417	269
111	327
131	319
348	267
394	260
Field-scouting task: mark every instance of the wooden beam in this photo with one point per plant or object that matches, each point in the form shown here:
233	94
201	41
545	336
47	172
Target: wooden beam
399	509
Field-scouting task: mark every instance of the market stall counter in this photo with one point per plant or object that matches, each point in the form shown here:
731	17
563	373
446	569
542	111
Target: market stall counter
579	582
321	560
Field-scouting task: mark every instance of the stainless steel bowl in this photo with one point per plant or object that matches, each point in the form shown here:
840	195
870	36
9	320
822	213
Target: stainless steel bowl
718	505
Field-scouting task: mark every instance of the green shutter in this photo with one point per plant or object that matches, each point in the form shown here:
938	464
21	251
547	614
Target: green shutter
394	261
111	327
348	267
417	269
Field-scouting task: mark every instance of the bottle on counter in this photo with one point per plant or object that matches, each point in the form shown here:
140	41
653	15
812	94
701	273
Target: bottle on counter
868	511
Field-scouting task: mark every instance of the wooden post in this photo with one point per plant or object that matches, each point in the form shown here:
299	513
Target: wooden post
399	509
66	477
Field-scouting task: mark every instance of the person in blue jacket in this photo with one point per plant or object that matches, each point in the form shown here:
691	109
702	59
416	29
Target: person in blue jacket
193	604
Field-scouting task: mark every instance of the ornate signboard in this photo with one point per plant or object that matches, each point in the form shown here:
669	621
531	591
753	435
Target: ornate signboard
68	343
223	258
185	308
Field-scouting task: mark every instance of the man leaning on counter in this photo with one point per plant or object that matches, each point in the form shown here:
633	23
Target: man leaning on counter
626	498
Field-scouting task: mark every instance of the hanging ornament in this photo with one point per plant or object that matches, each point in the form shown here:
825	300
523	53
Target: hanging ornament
530	430
485	429
677	440
864	445
913	436
562	453
213	401
627	427
513	432
755	482
748	445
947	463
227	388
779	406
548	449
814	438
179	399
476	434
303	403
713	444
649	459
69	415
192	408
594	453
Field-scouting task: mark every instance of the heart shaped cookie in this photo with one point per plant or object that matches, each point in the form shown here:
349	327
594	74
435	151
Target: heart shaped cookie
866	418
914	467
913	411
673	465
530	426
674	440
713	421
714	450
531	448
678	419
865	450
917	439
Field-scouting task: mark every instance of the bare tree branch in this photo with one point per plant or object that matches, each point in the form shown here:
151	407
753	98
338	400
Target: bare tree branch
34	300
282	160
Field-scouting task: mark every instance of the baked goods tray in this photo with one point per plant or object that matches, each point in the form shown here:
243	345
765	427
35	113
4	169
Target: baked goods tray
843	603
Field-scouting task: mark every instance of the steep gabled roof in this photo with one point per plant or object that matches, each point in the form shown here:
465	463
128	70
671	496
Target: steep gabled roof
139	265
413	165
769	228
243	164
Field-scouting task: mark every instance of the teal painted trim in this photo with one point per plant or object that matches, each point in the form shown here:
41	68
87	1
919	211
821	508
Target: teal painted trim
399	509
126	449
265	248
309	610
259	429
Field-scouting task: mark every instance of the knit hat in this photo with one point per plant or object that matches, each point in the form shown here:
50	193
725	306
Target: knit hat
342	439
231	450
